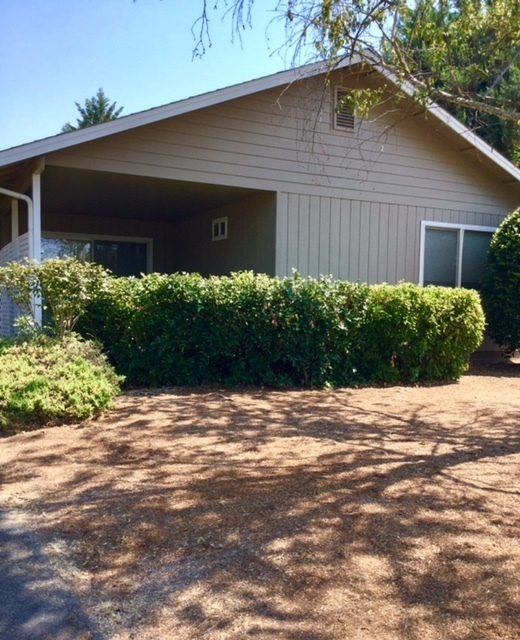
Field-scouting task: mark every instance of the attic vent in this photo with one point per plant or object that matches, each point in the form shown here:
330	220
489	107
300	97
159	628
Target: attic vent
343	116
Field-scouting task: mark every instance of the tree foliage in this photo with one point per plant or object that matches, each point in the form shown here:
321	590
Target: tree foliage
461	55
95	111
465	53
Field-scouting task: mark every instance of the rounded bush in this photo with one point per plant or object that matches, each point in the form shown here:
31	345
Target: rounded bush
47	381
501	284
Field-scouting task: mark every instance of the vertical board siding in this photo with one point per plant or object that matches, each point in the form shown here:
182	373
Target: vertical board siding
335	247
353	240
303	236
282	233
350	245
325	238
385	248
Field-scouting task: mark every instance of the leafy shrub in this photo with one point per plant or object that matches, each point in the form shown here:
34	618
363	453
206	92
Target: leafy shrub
244	328
411	333
64	285
183	329
53	381
501	283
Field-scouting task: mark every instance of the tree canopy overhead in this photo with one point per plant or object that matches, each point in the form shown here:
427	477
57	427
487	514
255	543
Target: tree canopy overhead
95	111
463	53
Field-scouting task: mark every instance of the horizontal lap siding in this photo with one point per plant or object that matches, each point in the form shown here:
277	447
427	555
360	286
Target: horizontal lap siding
255	142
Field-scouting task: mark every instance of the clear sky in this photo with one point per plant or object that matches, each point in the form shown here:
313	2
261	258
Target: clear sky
58	52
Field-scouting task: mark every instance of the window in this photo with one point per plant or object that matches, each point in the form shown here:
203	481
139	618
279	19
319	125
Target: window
219	229
343	116
123	256
453	255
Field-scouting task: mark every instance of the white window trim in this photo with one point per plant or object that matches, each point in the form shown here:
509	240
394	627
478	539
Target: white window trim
53	235
335	125
426	224
219	236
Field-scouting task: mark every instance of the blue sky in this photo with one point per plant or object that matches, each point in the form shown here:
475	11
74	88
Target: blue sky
58	52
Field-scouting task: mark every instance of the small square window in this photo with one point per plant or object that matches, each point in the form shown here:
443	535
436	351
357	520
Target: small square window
219	229
343	116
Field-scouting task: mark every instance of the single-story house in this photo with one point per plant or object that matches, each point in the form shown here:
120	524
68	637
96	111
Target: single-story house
271	175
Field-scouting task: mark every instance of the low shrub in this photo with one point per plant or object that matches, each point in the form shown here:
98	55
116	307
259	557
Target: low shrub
183	329
48	381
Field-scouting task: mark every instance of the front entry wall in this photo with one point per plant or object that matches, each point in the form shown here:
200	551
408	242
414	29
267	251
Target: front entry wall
160	233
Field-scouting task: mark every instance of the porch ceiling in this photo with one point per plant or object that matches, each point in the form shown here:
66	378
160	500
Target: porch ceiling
95	193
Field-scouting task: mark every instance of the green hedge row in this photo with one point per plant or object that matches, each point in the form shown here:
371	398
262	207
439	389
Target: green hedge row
183	329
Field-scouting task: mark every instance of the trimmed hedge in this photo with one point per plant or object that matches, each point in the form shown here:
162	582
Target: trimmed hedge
48	381
183	329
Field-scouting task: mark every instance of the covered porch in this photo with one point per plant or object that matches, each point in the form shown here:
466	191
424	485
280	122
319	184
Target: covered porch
133	224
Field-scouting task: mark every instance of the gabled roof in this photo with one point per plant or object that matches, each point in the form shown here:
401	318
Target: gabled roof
150	116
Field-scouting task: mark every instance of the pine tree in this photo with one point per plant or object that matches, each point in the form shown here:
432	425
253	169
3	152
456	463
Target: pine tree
96	110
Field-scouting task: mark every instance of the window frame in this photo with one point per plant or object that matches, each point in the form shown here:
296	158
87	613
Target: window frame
452	226
218	222
53	235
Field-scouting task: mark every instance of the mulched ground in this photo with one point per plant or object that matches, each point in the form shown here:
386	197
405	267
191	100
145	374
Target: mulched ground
389	513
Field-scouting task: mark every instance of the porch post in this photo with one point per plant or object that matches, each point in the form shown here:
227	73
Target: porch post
35	221
35	231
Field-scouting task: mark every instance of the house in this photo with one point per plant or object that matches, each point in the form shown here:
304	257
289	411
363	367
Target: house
271	175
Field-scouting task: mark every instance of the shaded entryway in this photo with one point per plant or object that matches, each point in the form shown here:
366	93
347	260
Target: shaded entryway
176	216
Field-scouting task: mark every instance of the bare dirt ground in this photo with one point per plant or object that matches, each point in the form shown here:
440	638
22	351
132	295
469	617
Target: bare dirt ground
389	513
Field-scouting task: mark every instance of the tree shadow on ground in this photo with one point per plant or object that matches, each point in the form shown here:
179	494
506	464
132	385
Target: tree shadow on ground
292	515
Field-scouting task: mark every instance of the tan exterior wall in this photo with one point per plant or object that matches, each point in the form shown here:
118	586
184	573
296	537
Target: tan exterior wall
348	203
358	240
250	244
186	245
